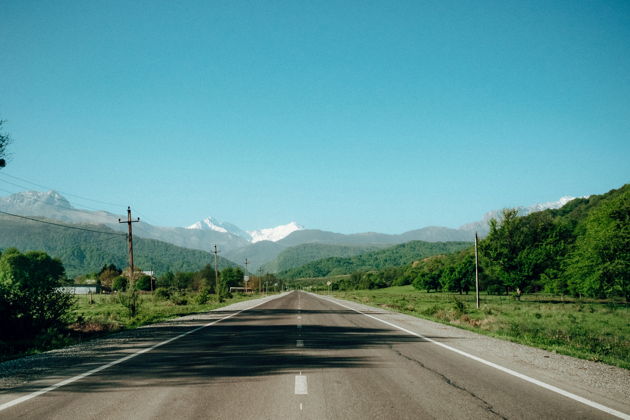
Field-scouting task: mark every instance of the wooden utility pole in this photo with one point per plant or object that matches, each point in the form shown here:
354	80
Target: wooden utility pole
216	273
476	270
129	221
246	276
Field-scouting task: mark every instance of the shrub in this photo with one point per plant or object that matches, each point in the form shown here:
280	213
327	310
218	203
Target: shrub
162	293
29	300
119	284
202	297
143	283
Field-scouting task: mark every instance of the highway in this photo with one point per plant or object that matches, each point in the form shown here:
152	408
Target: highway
297	356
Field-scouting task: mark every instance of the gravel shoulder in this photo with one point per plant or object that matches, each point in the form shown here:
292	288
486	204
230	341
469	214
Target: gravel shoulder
31	373
608	385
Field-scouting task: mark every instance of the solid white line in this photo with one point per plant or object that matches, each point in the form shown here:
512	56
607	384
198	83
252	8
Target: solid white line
301	388
115	362
547	386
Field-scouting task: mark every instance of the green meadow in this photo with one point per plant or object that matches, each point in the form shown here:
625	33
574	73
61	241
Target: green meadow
597	330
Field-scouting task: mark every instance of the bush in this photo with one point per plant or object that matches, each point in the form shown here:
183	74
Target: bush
119	284
29	300
203	297
143	283
131	301
162	293
180	300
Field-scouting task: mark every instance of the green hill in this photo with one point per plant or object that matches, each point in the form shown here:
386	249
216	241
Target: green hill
299	255
395	256
84	252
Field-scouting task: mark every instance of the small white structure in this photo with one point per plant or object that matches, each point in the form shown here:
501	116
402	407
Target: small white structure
78	290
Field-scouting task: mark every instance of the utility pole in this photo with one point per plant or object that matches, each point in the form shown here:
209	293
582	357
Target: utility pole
476	270
216	273
246	276
129	221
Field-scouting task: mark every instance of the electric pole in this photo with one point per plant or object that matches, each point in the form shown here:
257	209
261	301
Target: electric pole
216	273
129	221
476	270
246	276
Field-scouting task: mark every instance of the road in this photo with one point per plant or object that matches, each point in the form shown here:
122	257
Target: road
298	356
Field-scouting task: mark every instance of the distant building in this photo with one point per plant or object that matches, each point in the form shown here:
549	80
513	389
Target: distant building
78	290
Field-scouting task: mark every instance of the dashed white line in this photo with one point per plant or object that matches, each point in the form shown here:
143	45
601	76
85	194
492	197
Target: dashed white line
301	387
299	343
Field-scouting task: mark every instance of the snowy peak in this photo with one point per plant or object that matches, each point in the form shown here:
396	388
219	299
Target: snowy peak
253	236
36	198
210	223
274	234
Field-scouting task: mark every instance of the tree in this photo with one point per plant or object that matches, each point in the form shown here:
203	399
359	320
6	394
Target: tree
429	273
166	280
143	283
599	266
4	142
30	302
204	279
231	277
119	283
107	275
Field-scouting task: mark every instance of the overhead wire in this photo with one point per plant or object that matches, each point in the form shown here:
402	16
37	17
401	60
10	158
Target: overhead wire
63	192
62	225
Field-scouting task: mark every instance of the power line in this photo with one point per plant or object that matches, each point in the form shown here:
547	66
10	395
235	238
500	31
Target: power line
65	193
79	206
44	202
60	225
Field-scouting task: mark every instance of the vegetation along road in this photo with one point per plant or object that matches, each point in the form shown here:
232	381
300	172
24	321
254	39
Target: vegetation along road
301	355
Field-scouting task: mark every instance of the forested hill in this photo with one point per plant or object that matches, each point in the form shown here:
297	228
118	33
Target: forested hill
297	256
83	252
390	257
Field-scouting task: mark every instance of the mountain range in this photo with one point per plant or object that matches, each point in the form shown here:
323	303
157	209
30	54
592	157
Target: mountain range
261	247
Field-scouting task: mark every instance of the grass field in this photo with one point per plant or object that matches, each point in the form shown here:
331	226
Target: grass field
588	329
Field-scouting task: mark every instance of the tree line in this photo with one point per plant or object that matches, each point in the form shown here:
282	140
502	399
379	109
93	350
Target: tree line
582	249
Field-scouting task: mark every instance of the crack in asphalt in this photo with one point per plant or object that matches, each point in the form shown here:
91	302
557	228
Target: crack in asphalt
486	405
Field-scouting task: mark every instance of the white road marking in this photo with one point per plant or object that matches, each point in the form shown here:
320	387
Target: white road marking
299	326
299	343
115	362
300	406
299	317
547	386
301	388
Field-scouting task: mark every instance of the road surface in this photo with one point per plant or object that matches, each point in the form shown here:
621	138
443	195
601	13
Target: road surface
297	356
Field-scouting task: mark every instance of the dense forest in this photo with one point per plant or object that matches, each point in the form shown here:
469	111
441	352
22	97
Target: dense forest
581	249
302	254
84	251
397	255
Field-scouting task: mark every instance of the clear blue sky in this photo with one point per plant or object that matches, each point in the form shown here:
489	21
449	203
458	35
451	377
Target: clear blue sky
348	116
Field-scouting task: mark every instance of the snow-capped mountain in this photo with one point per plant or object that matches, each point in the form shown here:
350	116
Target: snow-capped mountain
274	234
210	223
269	234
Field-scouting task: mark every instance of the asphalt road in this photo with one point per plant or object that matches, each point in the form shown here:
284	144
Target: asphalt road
295	357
